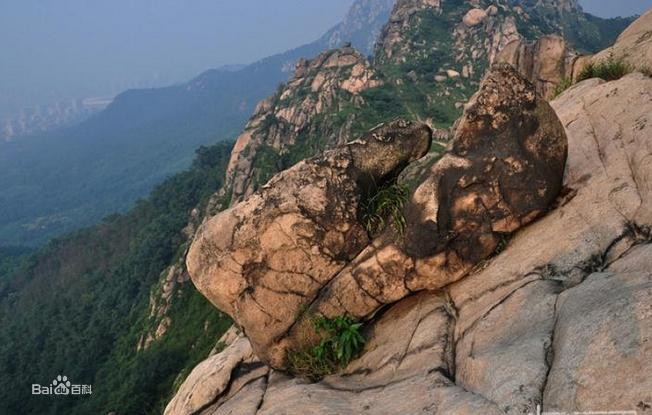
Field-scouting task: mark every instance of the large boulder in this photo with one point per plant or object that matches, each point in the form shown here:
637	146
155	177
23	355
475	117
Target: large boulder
266	259
504	170
474	17
297	249
520	343
547	62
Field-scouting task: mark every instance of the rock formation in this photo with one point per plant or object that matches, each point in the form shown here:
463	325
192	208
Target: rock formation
550	61
558	318
474	17
319	86
265	260
561	318
470	199
546	63
280	257
361	25
634	44
391	44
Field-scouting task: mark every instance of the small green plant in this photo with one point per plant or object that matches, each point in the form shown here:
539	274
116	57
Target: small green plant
341	341
563	85
646	70
610	69
386	203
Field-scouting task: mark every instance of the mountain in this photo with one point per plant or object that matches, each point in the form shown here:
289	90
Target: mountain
500	293
430	58
112	306
70	178
361	25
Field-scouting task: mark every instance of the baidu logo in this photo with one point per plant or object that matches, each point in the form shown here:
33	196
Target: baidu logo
61	386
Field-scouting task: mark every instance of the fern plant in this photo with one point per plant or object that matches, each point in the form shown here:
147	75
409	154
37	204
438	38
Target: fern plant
341	341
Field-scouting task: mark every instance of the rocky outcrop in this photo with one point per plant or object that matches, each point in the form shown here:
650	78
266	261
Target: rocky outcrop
217	379
361	25
391	45
265	260
514	345
470	199
320	86
559	319
634	44
550	61
160	302
482	34
558	6
474	17
546	63
281	256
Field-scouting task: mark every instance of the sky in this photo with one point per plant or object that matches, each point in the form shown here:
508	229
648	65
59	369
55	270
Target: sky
52	49
613	8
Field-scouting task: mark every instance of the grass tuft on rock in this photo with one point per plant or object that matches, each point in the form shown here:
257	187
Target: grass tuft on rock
341	341
563	86
610	69
646	70
385	205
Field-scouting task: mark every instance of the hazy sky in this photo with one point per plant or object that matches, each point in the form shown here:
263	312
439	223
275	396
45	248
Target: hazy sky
54	48
80	47
612	8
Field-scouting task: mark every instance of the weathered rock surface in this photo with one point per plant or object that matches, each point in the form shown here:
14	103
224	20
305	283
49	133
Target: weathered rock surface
506	312
634	44
264	260
474	17
469	199
405	371
603	339
291	251
319	86
546	63
562	318
391	45
217	378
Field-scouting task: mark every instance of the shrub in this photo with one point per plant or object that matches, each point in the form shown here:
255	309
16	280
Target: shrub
386	203
646	70
341	341
610	69
563	85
